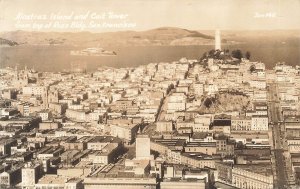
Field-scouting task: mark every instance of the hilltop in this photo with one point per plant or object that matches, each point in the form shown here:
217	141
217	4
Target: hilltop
155	37
7	42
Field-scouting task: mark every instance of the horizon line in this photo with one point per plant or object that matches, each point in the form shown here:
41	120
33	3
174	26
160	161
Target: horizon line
144	30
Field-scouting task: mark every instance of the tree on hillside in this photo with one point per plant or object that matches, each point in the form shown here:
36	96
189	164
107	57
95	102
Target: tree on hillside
248	55
204	56
211	53
226	51
217	54
237	54
209	102
252	68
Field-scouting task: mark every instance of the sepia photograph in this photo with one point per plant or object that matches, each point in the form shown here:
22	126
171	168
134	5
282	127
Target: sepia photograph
149	94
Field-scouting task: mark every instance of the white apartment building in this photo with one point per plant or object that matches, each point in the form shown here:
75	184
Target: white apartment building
259	123
34	90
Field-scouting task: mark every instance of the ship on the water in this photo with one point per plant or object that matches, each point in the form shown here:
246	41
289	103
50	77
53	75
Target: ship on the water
93	51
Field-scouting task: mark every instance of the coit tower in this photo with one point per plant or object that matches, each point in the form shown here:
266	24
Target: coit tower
217	40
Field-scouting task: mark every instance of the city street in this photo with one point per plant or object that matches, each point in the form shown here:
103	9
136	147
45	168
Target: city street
282	174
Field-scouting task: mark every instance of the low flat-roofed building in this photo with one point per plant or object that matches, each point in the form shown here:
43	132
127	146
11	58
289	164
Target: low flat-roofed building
292	126
293	132
199	160
293	144
208	148
163	145
45	115
260	123
106	155
67	155
49	125
24	122
260	106
81	170
5	145
12	176
58	108
126	132
56	181
49	152
223	185
72	143
120	183
137	167
250	136
253	176
99	142
20	156
222	124
185	130
164	126
8	112
122	104
224	170
240	123
78	115
178	183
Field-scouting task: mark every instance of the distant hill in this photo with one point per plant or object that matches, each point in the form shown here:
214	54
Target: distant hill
7	42
159	36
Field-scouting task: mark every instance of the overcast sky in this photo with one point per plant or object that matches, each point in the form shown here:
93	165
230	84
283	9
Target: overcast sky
149	14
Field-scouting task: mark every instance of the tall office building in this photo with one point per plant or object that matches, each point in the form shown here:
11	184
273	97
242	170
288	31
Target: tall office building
217	40
142	147
31	173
